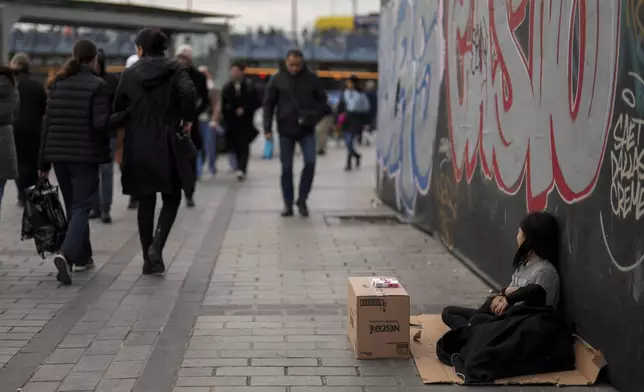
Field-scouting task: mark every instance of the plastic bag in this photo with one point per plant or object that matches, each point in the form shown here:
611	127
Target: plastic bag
268	149
43	218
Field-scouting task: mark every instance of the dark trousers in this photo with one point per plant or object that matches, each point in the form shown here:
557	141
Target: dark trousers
78	183
191	192
242	154
287	151
457	317
147	206
106	175
349	141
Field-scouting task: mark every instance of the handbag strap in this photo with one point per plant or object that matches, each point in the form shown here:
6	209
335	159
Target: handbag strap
291	94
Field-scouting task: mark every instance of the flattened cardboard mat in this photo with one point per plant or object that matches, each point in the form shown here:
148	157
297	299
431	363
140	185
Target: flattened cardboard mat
588	360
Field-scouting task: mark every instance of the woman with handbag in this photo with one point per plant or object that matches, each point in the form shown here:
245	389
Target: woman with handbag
160	97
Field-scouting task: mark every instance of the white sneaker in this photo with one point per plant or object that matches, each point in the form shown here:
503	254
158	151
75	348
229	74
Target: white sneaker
64	271
240	175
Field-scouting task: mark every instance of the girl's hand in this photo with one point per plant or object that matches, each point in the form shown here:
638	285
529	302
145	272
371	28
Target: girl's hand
500	305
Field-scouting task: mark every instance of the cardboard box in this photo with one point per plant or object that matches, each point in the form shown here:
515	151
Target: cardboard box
378	320
589	361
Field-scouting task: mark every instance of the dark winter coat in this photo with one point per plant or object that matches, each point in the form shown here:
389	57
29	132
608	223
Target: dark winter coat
203	103
27	127
159	95
522	341
9	102
240	129
296	97
78	120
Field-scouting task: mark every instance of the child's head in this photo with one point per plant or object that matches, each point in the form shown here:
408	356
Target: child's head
538	234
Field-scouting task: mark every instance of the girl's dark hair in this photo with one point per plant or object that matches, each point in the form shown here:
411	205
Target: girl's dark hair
153	42
83	53
354	80
9	73
541	233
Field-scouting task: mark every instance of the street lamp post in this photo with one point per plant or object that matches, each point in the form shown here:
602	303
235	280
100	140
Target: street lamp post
294	19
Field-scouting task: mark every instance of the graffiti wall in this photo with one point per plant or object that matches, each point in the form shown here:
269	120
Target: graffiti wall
489	109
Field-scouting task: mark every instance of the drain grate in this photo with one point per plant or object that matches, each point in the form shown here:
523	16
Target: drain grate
365	219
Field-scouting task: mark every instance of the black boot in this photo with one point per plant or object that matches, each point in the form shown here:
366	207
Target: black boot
358	158
348	168
155	257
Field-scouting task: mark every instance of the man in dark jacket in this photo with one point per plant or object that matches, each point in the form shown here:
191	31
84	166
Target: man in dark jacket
301	102
106	173
76	141
184	56
239	101
28	124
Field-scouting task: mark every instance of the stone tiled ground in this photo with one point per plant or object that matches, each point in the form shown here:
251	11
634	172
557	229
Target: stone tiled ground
251	302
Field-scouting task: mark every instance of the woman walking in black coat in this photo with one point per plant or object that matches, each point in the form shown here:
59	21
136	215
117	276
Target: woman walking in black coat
160	98
76	141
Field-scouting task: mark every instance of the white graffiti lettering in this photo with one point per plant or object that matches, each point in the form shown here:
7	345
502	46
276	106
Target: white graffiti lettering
627	161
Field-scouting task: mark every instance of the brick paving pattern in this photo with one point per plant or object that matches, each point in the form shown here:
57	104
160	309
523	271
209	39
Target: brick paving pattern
251	302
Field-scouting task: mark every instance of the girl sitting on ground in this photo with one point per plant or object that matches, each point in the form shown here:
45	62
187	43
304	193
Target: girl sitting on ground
535	280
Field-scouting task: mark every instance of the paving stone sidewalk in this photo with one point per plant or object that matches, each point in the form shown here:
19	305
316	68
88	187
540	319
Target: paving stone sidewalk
251	302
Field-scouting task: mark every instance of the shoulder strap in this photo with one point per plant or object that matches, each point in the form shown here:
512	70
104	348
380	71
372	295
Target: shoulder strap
291	95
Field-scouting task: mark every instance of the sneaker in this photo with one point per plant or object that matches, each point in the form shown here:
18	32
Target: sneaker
93	214
89	265
64	271
303	209
190	203
240	175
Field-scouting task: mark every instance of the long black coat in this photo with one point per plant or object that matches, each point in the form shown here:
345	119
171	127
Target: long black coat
239	129
159	95
27	126
203	103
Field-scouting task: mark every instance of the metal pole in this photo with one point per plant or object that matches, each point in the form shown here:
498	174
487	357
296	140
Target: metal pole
294	19
354	4
189	4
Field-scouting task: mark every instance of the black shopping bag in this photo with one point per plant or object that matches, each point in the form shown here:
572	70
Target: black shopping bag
186	155
43	218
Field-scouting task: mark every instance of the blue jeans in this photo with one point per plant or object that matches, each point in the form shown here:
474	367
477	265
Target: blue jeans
287	151
349	141
106	175
209	149
79	185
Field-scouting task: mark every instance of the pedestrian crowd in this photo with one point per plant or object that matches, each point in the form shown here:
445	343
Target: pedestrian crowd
159	122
